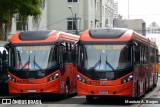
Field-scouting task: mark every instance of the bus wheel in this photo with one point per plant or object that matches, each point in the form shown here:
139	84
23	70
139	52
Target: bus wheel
155	85
152	87
154	82
145	86
90	99
137	91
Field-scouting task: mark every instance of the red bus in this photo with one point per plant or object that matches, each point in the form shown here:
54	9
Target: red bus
115	62
42	62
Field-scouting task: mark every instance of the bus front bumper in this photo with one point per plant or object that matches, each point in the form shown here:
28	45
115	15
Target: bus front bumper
49	87
125	89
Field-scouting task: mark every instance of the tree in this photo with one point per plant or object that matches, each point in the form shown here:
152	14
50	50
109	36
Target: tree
19	9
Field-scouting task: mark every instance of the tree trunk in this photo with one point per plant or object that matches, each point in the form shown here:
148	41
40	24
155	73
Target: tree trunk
1	31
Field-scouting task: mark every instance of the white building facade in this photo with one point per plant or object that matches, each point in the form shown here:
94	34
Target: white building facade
61	15
116	10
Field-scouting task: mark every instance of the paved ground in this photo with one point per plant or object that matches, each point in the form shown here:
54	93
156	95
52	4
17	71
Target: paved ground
80	101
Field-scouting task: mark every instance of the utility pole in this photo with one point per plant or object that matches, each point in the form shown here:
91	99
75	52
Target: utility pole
128	9
74	20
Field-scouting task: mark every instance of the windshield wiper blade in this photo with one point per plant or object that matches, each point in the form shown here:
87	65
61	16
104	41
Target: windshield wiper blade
107	63
27	63
19	58
35	63
98	63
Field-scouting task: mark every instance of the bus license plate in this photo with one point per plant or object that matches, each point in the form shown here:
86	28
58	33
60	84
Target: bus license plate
32	91
103	92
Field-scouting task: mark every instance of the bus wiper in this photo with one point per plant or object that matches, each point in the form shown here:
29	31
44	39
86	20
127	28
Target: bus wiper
35	63
19	58
107	63
27	63
98	63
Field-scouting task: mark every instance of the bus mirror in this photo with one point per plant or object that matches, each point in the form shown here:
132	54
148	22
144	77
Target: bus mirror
0	55
4	55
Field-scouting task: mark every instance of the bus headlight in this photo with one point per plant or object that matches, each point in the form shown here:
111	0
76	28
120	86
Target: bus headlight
127	79
80	78
53	77
11	78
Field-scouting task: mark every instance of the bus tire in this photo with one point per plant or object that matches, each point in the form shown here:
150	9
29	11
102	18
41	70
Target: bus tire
137	91
145	86
154	83
89	99
152	87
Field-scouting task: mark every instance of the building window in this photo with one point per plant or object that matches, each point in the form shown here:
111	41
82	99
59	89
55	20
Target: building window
21	25
71	24
73	0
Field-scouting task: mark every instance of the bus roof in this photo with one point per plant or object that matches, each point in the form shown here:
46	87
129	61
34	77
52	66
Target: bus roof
113	35
106	34
43	37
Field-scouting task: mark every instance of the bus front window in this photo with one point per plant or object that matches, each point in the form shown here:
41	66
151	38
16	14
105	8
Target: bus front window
105	57
34	57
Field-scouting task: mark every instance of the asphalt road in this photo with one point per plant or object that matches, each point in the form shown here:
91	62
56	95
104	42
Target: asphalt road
80	101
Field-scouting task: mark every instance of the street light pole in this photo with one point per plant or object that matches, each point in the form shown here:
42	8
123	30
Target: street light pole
75	20
128	9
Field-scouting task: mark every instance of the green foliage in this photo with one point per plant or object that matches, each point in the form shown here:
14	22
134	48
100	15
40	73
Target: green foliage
23	9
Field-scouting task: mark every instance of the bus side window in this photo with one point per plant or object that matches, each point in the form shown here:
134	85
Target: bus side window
137	55
73	53
61	55
80	56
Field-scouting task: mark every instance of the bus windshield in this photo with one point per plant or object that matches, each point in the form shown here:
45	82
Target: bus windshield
33	57
105	57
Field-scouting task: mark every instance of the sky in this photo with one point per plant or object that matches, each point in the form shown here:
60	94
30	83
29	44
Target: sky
148	10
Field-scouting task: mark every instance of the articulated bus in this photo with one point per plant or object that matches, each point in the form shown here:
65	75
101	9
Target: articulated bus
42	62
115	62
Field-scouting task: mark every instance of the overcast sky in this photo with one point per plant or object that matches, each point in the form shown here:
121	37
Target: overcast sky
148	10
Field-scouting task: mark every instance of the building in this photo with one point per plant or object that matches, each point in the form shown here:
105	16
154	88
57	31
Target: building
138	25
116	10
109	13
62	15
154	27
88	13
155	38
118	23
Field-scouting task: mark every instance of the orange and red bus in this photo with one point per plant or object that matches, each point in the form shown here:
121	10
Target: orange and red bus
42	62
115	62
